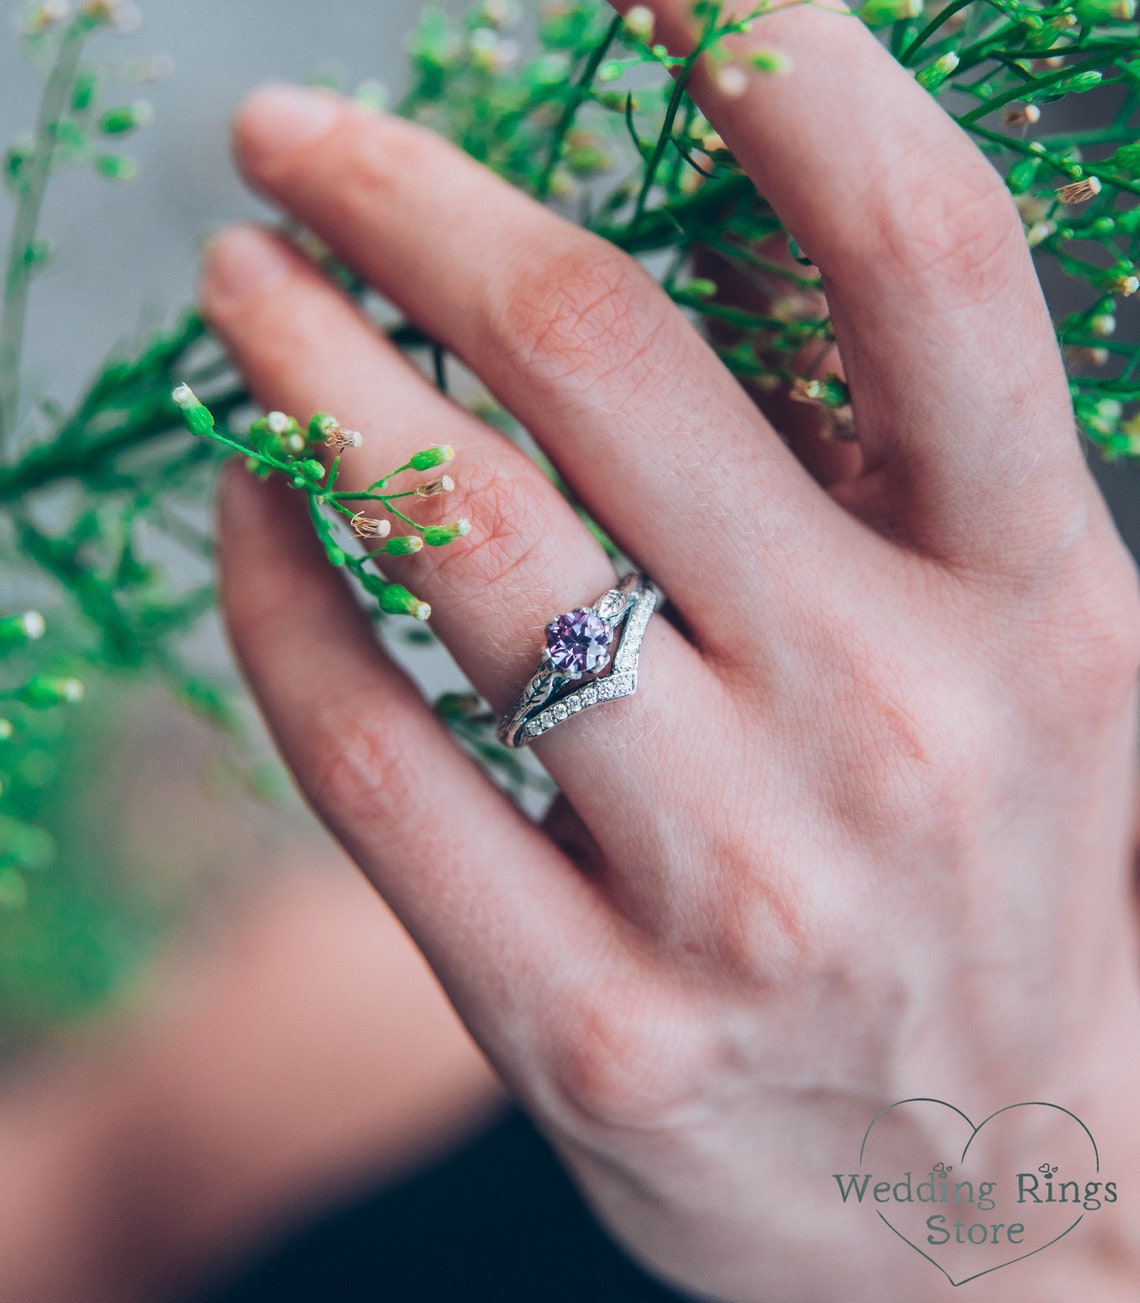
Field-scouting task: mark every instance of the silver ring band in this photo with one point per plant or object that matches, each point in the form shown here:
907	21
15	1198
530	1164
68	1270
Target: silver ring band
578	646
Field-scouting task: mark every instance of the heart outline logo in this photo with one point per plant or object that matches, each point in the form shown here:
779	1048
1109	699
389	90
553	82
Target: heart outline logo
974	1130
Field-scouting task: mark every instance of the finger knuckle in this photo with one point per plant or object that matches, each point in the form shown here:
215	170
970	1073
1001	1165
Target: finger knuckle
1081	640
586	311
508	504
955	229
617	1057
359	777
919	753
767	931
376	160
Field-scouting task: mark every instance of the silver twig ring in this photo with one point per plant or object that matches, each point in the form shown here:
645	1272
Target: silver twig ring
581	645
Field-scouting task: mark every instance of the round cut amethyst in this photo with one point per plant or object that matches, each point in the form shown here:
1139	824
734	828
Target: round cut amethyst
578	643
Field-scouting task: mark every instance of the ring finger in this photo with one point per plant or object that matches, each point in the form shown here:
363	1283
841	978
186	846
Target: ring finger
304	346
575	338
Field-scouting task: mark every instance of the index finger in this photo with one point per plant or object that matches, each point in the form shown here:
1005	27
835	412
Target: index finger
946	339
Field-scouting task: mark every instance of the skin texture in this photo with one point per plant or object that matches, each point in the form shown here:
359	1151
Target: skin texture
863	833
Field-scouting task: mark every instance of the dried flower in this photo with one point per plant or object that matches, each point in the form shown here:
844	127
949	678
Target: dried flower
340	439
1125	285
1022	115
1080	192
445	484
328	430
366	526
1088	356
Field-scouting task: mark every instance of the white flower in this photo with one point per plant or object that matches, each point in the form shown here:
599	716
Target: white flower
732	81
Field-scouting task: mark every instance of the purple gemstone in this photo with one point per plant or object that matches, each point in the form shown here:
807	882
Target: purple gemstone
578	643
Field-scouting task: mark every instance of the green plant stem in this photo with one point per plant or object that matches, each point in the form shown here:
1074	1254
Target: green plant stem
981	50
1017	93
578	96
666	134
929	30
1026	147
659	226
29	203
51	464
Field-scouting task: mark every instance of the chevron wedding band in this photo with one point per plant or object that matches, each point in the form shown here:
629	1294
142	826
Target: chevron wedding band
591	656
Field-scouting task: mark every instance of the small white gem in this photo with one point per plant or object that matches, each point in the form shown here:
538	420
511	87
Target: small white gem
560	712
610	605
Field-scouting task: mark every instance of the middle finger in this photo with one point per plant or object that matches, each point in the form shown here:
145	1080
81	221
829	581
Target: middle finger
573	336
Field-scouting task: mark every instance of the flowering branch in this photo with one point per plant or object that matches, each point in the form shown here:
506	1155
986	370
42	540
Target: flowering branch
594	118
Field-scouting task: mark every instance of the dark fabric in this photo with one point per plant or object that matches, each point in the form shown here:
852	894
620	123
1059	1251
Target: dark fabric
498	1221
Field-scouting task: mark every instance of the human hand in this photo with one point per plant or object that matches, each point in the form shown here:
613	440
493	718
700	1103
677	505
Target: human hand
864	831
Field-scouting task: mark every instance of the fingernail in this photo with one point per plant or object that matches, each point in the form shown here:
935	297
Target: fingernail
240	263
276	119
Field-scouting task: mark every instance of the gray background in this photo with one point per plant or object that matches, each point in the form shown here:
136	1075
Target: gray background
127	252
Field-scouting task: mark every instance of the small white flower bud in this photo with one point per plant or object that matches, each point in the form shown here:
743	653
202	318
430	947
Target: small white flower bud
1038	232
640	22
732	80
34	625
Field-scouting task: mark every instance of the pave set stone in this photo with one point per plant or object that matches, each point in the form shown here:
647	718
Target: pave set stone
608	689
